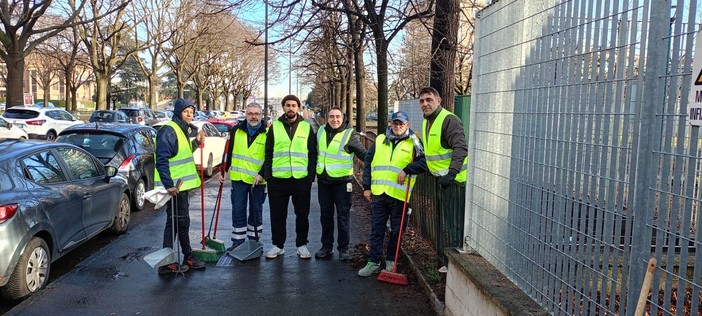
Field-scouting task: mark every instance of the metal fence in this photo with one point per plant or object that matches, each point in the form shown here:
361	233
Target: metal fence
583	165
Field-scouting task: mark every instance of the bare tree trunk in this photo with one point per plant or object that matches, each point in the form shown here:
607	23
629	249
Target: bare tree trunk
443	43
153	85
360	74
47	89
15	78
101	81
349	83
381	52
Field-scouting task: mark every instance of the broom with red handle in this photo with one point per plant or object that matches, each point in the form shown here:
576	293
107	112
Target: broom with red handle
394	277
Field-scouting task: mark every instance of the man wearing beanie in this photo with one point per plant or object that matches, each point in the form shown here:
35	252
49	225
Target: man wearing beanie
174	163
289	169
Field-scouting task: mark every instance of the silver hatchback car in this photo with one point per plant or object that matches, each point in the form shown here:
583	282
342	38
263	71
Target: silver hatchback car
53	197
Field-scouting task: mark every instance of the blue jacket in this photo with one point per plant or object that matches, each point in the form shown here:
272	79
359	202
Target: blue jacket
167	143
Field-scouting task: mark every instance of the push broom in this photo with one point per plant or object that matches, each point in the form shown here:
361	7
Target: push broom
214	243
204	254
394	277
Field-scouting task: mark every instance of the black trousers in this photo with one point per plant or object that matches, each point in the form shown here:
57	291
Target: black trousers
280	191
182	212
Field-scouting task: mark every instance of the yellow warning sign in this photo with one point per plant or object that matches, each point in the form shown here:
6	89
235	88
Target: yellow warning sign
698	81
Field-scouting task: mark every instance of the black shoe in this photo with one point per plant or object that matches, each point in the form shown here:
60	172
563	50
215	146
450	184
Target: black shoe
172	268
344	255
324	253
194	263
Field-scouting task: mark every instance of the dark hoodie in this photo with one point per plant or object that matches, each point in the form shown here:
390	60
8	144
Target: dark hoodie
167	141
353	146
452	137
250	139
291	128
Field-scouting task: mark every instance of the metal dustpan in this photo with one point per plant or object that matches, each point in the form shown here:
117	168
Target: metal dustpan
161	257
250	249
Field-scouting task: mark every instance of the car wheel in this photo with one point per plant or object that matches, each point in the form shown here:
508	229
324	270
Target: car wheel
119	226
138	195
51	136
31	272
210	167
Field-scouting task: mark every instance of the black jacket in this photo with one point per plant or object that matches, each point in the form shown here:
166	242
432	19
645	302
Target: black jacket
227	159
353	146
452	136
291	128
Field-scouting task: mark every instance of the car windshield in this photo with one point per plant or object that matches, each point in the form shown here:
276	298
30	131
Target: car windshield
101	145
222	128
20	114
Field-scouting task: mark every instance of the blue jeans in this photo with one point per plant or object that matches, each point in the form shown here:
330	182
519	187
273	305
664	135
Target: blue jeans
243	193
382	208
329	197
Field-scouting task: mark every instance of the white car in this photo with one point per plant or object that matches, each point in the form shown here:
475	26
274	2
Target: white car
12	131
214	148
41	123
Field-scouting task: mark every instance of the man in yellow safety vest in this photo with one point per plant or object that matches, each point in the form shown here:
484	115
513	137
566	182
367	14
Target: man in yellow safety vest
337	143
174	162
395	154
246	151
289	170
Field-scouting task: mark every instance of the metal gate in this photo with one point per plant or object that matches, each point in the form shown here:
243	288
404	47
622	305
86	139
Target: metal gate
582	163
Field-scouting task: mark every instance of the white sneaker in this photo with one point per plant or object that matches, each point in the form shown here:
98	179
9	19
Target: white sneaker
274	252
303	252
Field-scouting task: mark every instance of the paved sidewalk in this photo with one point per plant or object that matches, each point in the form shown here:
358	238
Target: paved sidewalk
116	281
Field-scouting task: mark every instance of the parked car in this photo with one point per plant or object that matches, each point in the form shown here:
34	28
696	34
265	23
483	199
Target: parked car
127	147
41	104
215	142
200	116
54	197
108	116
141	116
13	131
41	123
163	115
223	126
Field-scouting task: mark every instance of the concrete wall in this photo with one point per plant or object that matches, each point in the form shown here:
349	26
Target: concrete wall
475	288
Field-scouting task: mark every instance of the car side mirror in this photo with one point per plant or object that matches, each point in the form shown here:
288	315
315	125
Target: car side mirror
225	134
110	171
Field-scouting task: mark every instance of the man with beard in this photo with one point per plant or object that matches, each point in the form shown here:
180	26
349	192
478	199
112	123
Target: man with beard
337	144
247	142
174	162
289	170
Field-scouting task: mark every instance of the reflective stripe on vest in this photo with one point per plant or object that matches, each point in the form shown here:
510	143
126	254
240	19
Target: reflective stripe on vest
387	163
247	161
334	158
438	157
290	157
182	165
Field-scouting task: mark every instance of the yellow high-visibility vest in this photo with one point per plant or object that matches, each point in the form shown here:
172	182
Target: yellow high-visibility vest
182	165
290	156
247	161
387	164
334	158
438	157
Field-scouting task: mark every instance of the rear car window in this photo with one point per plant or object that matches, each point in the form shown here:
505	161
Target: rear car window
102	145
130	112
20	114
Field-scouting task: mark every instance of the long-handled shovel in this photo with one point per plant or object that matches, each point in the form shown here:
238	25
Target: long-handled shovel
250	249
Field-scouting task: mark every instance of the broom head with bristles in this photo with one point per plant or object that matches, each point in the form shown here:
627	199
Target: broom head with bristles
393	278
215	244
206	255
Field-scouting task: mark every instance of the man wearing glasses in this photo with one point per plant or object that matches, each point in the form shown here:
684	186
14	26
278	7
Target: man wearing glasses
246	150
395	154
